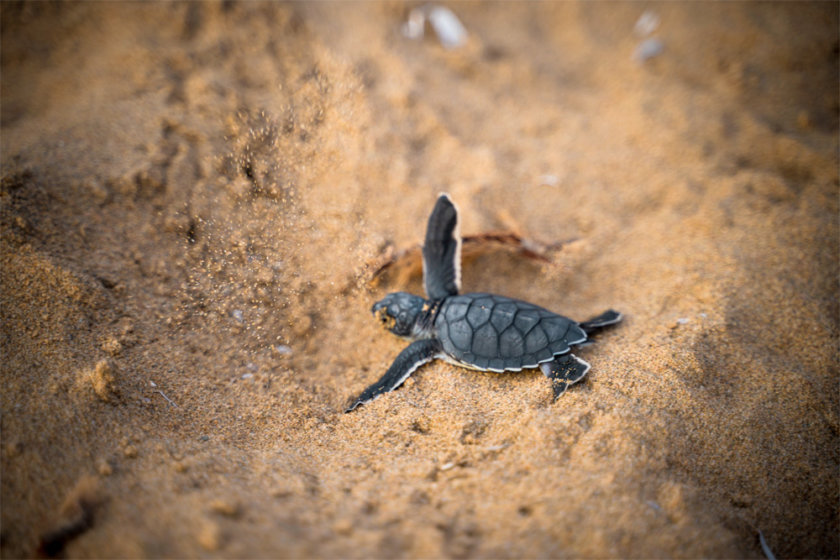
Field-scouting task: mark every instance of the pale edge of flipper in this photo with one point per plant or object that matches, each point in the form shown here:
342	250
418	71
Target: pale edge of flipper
412	357
435	252
564	371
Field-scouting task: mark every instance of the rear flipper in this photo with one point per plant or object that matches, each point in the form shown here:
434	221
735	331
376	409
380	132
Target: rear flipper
414	356
564	371
605	319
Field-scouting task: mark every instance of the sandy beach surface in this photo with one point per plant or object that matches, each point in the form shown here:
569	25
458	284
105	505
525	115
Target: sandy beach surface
196	199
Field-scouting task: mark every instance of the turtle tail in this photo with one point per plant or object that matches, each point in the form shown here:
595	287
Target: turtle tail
605	319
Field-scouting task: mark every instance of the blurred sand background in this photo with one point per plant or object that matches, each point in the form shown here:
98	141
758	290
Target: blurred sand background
194	199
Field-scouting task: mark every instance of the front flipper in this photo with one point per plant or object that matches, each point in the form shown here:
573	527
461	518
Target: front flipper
442	251
417	354
564	371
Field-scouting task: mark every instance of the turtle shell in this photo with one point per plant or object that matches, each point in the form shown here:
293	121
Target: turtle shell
495	333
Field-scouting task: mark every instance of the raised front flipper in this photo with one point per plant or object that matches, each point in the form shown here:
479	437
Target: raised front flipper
563	371
417	354
442	251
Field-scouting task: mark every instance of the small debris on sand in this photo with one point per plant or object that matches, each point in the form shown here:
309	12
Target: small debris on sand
209	535
112	346
765	548
104	468
103	380
228	508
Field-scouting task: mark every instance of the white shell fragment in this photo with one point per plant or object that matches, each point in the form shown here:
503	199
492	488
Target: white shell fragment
648	49
413	28
646	24
448	28
282	349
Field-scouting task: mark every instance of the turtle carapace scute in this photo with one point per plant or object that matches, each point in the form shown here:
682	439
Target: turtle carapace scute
480	331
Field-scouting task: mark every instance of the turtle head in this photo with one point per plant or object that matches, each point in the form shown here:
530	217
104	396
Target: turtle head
398	312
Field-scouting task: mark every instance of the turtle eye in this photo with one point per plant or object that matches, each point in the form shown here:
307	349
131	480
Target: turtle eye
384	318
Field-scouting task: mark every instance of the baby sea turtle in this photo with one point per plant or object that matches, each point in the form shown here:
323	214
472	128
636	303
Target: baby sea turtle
478	331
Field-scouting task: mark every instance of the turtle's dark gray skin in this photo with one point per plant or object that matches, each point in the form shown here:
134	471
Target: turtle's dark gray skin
478	331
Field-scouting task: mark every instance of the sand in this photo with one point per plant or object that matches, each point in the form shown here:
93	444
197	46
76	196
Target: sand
195	197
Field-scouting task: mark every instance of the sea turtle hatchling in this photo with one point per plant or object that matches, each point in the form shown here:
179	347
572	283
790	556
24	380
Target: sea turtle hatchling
479	331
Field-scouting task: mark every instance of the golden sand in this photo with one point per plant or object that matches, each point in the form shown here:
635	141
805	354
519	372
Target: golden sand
193	194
